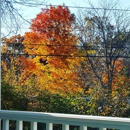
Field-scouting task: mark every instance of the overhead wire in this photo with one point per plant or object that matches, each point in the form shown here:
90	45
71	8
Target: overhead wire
83	7
63	45
71	56
85	48
74	45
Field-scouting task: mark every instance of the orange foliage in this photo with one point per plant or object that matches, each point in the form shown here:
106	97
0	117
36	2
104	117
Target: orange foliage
120	82
51	47
11	47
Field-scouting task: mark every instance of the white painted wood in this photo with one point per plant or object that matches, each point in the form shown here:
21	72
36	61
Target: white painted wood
124	128
100	128
19	125
5	124
65	127
83	127
49	126
33	125
71	119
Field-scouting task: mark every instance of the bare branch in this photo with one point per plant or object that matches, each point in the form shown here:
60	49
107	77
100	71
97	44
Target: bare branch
11	15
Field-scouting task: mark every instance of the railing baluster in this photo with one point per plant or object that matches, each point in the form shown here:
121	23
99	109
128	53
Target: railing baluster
65	127
5	124
33	125
83	127
19	125
49	126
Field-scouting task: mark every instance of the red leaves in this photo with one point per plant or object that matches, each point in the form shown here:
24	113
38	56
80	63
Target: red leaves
118	65
27	64
51	41
53	19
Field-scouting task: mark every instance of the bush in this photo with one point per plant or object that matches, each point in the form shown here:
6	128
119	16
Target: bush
12	100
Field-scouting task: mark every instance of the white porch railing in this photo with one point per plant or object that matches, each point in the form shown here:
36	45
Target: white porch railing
64	119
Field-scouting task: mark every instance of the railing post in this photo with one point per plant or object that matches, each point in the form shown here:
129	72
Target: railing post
19	125
5	124
33	125
83	127
65	127
49	126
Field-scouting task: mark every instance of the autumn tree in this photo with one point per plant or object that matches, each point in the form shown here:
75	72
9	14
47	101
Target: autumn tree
12	96
106	28
12	48
12	53
52	47
11	16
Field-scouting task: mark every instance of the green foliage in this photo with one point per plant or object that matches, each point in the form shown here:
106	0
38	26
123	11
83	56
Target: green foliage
12	100
108	78
55	103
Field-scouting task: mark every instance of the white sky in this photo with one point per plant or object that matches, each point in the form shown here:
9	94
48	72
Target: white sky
82	3
30	13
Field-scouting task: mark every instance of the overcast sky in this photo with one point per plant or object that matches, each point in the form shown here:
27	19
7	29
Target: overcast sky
30	13
82	3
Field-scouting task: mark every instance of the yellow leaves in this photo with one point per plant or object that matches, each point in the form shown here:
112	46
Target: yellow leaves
87	51
33	42
52	48
91	52
55	75
4	49
81	52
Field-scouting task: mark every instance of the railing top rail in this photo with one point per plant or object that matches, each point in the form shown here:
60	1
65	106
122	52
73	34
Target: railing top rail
66	118
60	115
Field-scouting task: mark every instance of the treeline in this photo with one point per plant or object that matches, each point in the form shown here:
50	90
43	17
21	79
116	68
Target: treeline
69	64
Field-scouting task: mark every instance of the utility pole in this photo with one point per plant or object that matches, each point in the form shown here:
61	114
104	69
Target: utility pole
0	54
0	50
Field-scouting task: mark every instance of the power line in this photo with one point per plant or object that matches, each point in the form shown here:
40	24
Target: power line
91	8
64	45
71	56
71	45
